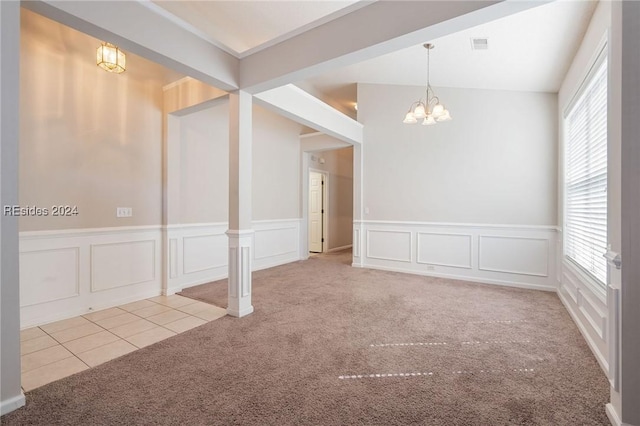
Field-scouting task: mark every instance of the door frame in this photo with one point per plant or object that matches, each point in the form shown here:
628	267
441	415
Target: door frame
325	207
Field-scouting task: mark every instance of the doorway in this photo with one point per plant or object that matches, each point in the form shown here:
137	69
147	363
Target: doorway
317	208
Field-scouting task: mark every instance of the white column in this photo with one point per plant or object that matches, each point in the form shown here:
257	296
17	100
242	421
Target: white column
240	232
10	391
630	203
358	208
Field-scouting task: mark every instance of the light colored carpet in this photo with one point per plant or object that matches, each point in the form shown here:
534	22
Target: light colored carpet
336	345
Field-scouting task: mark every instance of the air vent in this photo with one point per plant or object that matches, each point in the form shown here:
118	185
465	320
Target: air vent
479	43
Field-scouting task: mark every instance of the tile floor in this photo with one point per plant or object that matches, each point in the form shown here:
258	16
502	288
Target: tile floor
57	350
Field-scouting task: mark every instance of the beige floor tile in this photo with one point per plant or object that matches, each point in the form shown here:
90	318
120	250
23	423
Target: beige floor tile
150	337
106	353
91	342
210	314
54	327
76	332
158	299
113	322
194	307
167	317
185	324
52	372
137	305
37	344
105	313
151	310
44	357
132	328
31	333
175	301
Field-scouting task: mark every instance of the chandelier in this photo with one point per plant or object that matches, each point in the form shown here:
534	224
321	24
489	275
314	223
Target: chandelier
430	109
111	58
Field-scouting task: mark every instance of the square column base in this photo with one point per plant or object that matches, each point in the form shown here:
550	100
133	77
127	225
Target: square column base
240	253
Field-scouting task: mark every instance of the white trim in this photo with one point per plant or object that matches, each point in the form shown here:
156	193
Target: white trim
602	360
194	225
176	83
469	266
389	231
348	246
513	237
83	232
514	270
461	278
584	278
278	245
459	225
600	54
240	232
268	221
613	416
11	404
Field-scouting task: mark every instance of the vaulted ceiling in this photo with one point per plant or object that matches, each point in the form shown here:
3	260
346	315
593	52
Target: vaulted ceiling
527	51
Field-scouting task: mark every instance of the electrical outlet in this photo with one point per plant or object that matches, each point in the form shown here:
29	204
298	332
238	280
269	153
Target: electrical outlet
431	268
124	212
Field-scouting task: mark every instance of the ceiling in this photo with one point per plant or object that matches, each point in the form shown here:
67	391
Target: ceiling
528	51
245	26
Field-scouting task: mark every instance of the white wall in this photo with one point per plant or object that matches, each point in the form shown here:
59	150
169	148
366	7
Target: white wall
204	165
88	138
276	166
474	198
586	301
495	163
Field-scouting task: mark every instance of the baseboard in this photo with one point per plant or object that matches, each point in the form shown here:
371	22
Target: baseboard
510	255
461	278
12	404
612	414
59	316
348	246
602	361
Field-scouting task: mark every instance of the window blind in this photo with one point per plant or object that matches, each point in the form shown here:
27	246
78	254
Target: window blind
586	177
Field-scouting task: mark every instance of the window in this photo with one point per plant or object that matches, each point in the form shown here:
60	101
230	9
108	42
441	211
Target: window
585	225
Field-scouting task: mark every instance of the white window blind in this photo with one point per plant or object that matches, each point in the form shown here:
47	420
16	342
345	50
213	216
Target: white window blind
586	176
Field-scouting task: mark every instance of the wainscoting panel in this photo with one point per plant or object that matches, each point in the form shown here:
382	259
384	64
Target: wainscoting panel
49	275
444	249
72	272
122	264
586	302
391	245
514	255
204	252
275	242
520	256
201	253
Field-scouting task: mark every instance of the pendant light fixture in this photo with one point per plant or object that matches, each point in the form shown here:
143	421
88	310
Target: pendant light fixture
429	110
111	58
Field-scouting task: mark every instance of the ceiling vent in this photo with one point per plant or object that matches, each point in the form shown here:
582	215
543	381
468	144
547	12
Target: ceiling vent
479	43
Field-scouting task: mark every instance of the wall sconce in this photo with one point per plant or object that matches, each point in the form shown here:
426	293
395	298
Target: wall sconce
110	58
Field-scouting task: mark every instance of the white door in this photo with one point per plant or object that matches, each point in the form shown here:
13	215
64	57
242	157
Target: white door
315	211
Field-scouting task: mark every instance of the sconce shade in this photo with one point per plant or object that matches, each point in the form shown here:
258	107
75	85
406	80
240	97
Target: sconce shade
110	58
428	121
409	118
